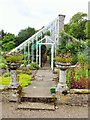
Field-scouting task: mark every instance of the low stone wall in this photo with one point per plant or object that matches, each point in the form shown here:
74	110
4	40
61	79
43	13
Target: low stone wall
73	99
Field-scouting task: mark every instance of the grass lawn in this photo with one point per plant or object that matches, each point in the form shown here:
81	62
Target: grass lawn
24	80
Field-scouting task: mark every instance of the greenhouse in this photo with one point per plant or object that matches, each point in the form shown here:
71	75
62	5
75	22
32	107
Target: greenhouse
49	36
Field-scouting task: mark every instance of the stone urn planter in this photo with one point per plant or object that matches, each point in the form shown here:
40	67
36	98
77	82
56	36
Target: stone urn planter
13	74
63	62
62	77
13	62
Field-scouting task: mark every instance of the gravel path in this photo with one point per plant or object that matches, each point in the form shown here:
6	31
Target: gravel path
9	110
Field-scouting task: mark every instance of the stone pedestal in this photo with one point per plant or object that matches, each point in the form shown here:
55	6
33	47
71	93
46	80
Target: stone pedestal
62	81
14	79
13	74
62	77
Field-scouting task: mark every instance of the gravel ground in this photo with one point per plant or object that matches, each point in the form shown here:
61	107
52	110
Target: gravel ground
9	110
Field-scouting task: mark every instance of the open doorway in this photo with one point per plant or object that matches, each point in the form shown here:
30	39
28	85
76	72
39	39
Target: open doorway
43	55
45	48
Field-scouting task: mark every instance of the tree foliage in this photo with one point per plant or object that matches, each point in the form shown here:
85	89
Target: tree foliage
8	42
77	25
78	18
88	29
2	33
24	34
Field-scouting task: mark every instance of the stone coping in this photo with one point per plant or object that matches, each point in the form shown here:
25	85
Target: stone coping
80	91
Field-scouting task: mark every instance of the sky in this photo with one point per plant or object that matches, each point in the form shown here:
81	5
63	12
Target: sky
19	14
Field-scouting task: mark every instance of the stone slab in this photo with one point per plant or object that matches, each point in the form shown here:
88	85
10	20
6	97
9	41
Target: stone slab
35	106
80	91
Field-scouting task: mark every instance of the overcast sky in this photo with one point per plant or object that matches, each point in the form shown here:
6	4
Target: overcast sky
19	14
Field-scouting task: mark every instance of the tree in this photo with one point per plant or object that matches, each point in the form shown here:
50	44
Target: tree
2	33
24	35
8	45
8	42
77	18
76	26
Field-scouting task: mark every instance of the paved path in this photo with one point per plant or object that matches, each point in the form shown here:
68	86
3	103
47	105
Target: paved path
40	86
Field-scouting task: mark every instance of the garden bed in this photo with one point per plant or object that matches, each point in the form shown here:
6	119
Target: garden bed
24	80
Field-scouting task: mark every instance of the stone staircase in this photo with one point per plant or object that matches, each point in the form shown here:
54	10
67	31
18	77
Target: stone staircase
37	95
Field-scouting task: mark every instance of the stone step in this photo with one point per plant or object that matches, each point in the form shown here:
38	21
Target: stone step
35	106
42	99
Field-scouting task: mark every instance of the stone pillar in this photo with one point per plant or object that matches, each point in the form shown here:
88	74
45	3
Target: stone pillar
14	80
62	81
13	74
62	77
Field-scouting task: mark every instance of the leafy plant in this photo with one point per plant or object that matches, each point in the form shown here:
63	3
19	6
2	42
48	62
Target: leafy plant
65	92
74	59
88	42
14	57
6	74
65	58
24	80
3	66
33	65
79	77
2	59
68	77
84	82
4	80
24	70
81	58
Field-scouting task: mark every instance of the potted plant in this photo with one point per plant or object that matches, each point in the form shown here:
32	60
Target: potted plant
14	59
13	62
53	90
63	62
63	58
